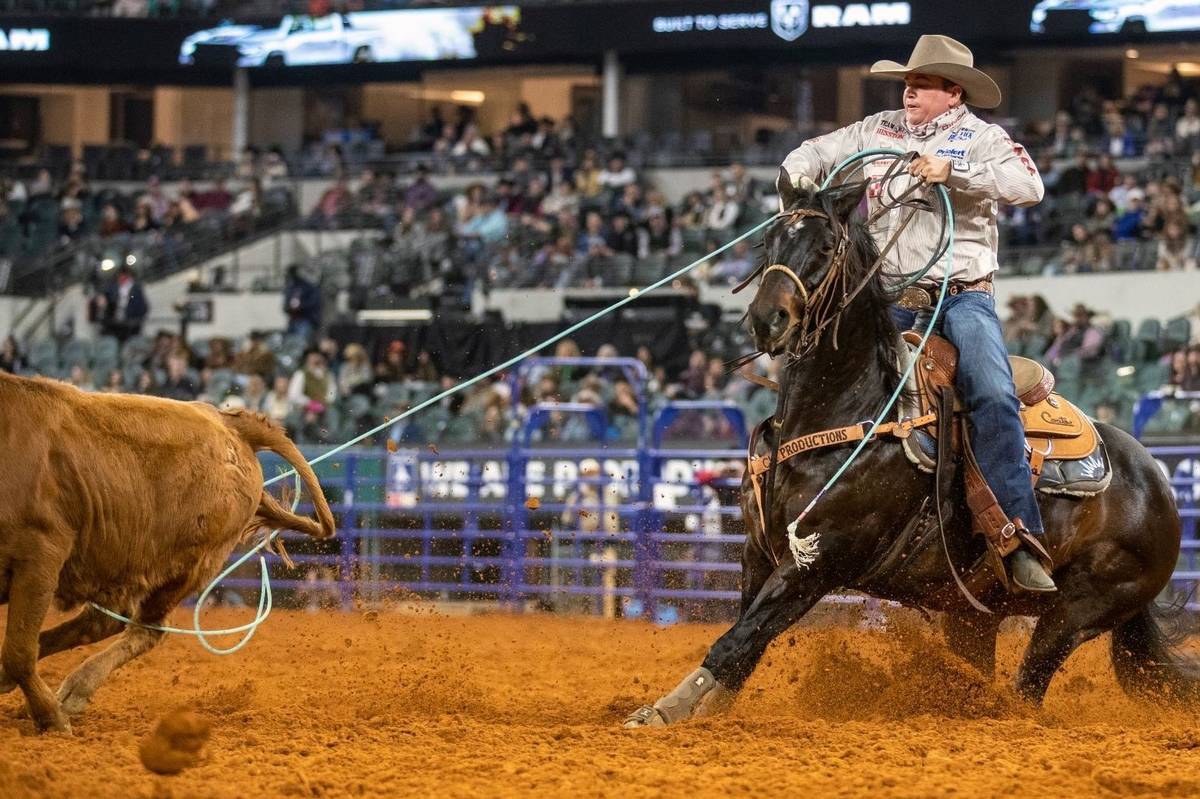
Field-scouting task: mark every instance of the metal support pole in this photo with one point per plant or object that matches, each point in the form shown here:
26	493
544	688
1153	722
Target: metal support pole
610	120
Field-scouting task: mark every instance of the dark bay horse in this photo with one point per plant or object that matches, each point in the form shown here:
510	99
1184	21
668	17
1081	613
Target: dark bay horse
1113	552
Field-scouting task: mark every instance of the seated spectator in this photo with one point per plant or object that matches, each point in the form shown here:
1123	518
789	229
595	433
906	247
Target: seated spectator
392	368
155	199
587	177
1176	249
1030	322
11	359
659	237
1179	371
1192	381
277	403
1129	225
489	226
564	199
313	382
631	203
471	143
217	199
80	377
621	238
735	264
143	219
1104	178
256	358
274	169
111	223
254	394
1081	339
1120	193
1101	217
71	226
425	371
593	240
420	194
723	211
179	385
355	375
616	175
115	383
334	202
220	354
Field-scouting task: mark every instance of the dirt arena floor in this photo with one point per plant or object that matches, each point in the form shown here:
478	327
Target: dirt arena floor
422	704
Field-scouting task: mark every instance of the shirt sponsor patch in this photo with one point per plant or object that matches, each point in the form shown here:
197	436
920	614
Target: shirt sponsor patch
952	153
888	133
962	134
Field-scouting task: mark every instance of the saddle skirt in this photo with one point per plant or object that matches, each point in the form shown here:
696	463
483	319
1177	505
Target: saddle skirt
1065	451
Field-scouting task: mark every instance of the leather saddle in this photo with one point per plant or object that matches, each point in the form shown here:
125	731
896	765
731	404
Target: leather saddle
1066	454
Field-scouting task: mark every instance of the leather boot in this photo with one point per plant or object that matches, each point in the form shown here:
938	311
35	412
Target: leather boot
1028	573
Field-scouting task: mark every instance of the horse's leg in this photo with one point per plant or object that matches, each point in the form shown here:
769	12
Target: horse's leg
86	627
81	684
756	568
786	595
1071	620
972	636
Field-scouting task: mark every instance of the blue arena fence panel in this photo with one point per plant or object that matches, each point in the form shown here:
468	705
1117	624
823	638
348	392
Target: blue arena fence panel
656	530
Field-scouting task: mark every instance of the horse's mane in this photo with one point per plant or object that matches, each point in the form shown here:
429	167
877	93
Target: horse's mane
875	300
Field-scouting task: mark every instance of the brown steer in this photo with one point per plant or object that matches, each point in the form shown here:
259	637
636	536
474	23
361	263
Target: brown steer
130	502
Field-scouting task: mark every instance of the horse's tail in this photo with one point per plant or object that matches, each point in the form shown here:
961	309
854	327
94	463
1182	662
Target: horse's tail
1146	659
263	434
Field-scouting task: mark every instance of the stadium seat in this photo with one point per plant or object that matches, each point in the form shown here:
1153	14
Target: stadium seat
1120	341
1146	340
43	356
1176	334
77	353
136	350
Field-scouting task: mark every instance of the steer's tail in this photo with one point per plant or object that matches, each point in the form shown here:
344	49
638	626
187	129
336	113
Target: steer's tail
263	434
1147	661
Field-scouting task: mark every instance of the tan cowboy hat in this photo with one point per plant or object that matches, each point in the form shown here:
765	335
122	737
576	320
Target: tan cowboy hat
949	59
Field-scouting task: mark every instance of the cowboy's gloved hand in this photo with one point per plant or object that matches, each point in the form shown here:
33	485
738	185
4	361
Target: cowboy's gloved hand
930	168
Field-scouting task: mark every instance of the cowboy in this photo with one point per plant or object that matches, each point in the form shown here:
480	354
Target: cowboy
980	166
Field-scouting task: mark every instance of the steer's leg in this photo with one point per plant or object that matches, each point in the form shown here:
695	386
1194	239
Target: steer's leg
788	594
86	627
31	590
80	685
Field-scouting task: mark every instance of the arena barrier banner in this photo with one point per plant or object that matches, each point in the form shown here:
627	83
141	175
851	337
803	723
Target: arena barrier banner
568	526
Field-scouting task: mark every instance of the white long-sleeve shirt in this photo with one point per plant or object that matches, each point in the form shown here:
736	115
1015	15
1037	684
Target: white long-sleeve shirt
987	168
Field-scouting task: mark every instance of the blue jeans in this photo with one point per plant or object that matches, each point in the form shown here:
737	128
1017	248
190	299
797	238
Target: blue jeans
985	385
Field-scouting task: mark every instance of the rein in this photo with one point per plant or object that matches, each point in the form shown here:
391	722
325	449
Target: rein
820	308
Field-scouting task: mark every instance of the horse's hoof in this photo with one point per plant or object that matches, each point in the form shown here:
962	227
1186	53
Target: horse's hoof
699	695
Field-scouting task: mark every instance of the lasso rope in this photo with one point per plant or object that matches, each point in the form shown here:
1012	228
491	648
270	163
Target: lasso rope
265	601
876	154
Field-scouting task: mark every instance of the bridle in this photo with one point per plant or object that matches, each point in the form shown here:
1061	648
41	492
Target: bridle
824	304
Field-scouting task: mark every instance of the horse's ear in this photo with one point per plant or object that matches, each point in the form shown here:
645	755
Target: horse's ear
845	198
788	193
